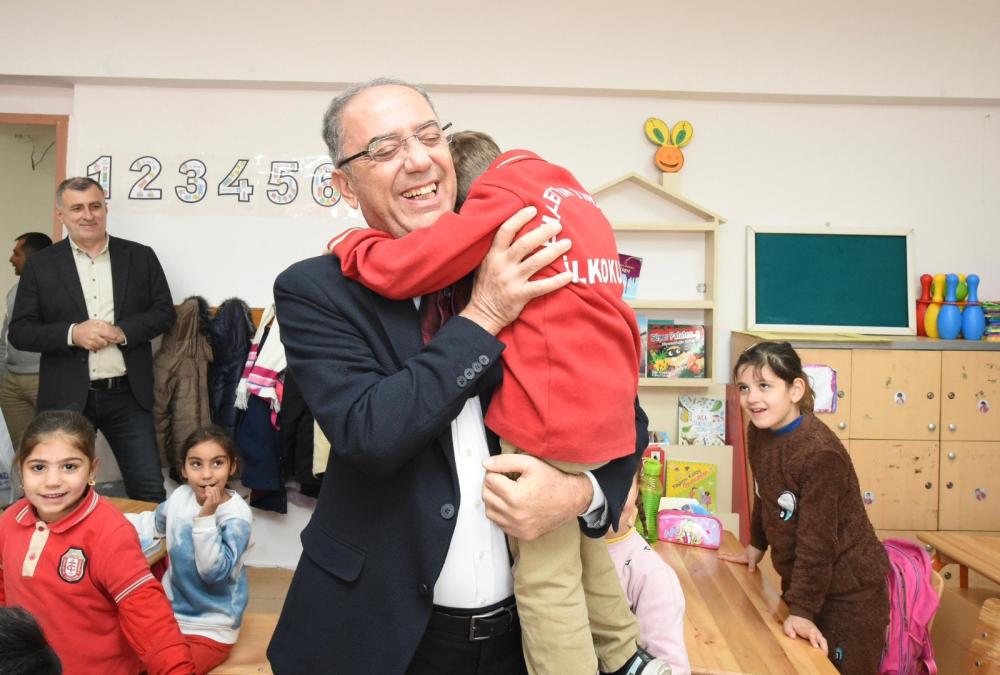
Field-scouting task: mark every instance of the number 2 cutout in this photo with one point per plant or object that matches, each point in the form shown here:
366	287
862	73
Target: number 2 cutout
150	168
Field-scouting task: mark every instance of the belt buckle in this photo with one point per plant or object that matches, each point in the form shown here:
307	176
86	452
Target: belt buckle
489	615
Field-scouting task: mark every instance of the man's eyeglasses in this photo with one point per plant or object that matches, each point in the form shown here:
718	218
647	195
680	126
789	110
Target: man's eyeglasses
385	148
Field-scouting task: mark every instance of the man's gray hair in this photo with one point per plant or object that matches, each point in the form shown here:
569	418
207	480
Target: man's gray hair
77	184
333	132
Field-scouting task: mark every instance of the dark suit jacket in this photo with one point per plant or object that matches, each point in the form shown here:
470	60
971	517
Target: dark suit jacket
361	596
50	298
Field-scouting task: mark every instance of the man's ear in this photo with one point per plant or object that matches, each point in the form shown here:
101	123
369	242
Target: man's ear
342	181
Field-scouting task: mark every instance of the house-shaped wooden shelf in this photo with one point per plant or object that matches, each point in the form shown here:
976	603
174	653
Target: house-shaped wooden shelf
653	218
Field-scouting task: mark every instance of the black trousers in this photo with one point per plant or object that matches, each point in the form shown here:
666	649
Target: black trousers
855	631
130	433
446	653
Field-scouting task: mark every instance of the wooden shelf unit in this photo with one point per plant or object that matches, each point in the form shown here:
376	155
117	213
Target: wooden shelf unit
674	215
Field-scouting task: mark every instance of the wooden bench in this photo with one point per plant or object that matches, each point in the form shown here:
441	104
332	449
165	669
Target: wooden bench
249	655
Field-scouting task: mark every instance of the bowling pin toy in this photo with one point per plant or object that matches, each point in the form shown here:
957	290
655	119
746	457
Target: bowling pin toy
949	323
931	316
923	302
962	291
973	318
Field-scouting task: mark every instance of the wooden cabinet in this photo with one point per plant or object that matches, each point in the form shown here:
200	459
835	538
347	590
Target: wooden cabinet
920	420
899	482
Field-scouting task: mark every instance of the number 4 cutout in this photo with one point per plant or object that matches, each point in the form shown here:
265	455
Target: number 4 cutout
232	184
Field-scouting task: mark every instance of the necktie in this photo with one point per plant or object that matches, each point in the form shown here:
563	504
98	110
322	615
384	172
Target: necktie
437	307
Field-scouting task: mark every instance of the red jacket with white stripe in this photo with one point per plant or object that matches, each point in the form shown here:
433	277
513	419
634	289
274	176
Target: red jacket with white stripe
86	581
572	356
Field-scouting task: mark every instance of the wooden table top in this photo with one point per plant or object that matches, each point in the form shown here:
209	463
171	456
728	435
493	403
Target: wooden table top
733	618
136	506
976	552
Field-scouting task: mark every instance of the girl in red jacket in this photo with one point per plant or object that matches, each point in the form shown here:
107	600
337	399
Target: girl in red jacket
73	561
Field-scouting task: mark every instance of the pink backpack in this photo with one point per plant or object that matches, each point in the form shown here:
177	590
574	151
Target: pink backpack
912	602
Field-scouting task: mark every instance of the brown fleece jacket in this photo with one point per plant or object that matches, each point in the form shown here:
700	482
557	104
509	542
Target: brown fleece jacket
822	543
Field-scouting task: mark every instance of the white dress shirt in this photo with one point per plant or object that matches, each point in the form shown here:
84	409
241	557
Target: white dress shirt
98	293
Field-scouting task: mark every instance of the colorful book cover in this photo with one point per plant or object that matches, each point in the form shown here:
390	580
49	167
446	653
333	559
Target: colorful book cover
631	266
701	420
643	330
693	480
675	351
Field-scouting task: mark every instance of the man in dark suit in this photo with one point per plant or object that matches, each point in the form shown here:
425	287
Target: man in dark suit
405	566
91	304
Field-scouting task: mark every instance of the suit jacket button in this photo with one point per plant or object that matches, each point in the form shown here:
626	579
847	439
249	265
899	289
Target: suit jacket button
425	589
469	373
461	381
447	511
483	359
477	366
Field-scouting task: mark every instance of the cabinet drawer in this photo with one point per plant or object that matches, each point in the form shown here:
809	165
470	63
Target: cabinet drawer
970	486
899	481
895	394
840	361
970	396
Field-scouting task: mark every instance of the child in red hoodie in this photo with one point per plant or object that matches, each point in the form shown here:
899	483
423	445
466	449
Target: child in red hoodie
569	386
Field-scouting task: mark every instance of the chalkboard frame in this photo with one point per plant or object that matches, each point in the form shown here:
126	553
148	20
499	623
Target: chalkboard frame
753	323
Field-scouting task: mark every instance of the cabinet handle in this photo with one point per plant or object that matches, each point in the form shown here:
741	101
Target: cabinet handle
928	548
931	426
951	396
947	575
952	427
842	426
840	393
930	394
949	485
928	485
952	456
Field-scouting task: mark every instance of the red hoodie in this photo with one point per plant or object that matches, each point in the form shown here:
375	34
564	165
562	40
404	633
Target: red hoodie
571	358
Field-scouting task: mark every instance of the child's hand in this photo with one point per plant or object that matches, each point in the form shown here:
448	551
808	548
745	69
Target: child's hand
213	497
797	626
750	557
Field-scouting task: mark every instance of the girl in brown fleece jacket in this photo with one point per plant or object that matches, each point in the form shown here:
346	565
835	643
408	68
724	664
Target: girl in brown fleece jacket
808	508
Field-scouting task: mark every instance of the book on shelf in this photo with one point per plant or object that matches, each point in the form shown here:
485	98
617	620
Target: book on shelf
675	350
701	420
631	266
693	480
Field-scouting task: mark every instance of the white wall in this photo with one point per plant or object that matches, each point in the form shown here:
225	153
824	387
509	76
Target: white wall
869	115
917	48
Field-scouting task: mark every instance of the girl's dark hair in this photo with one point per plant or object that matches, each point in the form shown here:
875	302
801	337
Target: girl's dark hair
783	361
213	433
68	424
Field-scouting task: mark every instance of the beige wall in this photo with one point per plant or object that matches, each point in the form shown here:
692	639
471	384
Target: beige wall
25	192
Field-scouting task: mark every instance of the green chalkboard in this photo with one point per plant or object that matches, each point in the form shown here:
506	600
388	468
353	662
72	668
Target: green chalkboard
830	281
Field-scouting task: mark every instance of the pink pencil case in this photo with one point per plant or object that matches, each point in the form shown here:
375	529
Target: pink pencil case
684	527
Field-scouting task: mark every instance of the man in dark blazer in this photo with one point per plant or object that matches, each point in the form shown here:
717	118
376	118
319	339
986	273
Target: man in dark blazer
404	567
91	304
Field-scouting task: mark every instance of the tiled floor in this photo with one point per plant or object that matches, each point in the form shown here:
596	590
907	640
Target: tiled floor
268	587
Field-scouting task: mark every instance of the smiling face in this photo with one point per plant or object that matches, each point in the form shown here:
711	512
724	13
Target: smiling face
669	158
206	465
55	476
411	190
85	215
769	401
